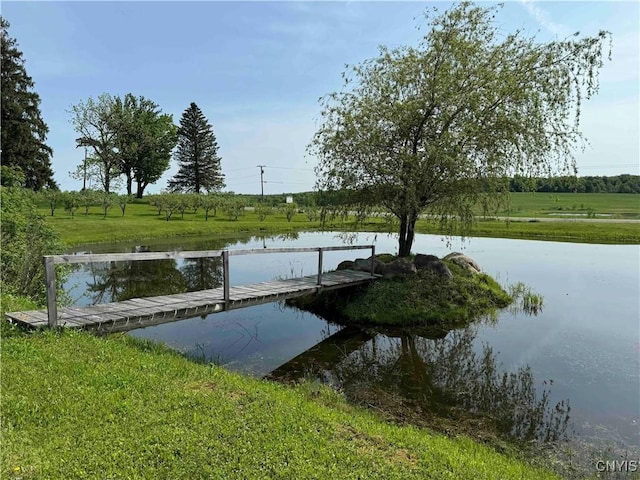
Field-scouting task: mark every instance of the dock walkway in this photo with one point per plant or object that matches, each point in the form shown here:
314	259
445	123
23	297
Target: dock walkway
141	312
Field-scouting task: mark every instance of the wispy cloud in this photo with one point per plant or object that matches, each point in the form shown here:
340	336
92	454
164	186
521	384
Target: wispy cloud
542	17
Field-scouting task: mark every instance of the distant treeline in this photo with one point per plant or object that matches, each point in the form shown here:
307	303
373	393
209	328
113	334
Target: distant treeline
616	184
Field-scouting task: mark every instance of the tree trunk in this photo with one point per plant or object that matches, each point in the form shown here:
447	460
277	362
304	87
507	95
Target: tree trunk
407	233
140	189
107	181
129	183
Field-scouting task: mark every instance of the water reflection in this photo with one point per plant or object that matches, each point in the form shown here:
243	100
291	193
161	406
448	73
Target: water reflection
119	281
416	378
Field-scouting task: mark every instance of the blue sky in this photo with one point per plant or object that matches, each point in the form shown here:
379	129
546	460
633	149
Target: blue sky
257	69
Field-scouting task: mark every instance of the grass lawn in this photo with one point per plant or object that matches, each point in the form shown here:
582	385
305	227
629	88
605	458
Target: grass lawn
537	204
79	406
141	221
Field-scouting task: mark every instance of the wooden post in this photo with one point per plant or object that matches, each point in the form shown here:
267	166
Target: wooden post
373	259
320	266
225	275
50	277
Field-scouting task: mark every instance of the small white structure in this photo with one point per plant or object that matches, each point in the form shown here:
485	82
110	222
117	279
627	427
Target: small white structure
289	199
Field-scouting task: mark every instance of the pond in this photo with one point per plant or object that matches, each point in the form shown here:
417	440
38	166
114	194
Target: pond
582	350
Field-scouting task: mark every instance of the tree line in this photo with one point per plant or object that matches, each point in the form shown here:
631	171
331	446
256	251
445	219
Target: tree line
568	184
131	137
128	137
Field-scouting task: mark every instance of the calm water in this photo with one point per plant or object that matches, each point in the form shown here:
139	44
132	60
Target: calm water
586	340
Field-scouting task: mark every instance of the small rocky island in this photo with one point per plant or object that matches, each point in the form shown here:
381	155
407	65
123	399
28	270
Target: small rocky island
416	291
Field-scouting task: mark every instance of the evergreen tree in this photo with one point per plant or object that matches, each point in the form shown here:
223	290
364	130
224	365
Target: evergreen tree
23	130
197	155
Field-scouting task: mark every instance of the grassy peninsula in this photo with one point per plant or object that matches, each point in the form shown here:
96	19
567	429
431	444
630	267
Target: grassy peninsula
420	299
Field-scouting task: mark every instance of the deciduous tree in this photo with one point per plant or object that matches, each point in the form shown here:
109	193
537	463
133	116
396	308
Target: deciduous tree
145	138
439	127
94	121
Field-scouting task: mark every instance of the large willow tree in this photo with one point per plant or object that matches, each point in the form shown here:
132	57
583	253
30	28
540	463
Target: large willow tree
437	128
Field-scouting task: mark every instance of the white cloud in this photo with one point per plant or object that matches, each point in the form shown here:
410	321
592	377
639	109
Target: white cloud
542	17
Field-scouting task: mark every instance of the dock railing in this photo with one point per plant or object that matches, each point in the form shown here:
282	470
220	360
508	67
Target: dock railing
50	261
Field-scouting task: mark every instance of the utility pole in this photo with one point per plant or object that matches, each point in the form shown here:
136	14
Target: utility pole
261	182
84	166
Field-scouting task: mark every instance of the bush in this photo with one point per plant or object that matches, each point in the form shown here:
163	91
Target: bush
25	239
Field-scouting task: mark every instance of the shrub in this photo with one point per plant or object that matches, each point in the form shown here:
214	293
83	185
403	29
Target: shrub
25	239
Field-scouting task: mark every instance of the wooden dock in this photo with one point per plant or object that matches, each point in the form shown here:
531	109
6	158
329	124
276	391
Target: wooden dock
142	312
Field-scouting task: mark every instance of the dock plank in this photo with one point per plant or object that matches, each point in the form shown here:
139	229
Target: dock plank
139	312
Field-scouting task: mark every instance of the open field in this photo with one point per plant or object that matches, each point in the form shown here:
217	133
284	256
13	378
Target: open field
141	221
615	205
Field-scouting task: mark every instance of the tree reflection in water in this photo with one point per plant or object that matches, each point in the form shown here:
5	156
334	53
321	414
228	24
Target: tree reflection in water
119	281
414	378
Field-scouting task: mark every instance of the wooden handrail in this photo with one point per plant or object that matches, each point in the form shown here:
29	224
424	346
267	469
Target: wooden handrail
50	261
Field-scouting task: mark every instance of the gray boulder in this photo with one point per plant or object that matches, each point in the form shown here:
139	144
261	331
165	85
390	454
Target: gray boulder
433	264
364	265
345	265
422	261
398	267
464	261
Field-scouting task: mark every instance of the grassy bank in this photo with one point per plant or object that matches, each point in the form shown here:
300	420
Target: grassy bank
421	299
79	406
142	222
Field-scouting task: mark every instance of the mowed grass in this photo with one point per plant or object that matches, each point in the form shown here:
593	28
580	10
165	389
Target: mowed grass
538	204
77	406
141	222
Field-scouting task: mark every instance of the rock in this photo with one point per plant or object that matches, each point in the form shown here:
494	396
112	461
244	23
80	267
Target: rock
364	265
433	264
422	261
398	267
345	265
464	261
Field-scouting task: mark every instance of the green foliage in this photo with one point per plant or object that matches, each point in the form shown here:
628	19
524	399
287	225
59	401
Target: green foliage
313	213
88	199
439	127
26	237
289	210
123	201
262	211
233	207
71	202
52	197
572	184
93	121
210	202
197	155
107	200
155	414
23	132
12	176
145	138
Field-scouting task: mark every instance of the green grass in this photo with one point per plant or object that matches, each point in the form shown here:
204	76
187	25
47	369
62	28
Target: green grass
141	222
620	205
423	299
566	231
79	406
